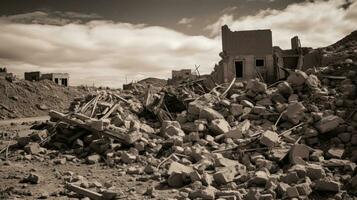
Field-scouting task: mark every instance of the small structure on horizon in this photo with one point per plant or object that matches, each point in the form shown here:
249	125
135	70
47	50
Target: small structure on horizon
58	78
251	54
179	76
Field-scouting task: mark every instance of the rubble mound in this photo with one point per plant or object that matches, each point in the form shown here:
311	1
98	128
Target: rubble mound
246	140
27	99
154	82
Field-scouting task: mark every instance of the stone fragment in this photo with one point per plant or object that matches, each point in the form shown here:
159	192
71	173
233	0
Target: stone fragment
219	126
328	123
269	138
210	114
304	189
292	192
256	86
313	82
176	180
327	185
295	112
238	131
298	154
23	141
285	89
290	178
127	157
236	109
32	178
207	193
33	148
335	152
315	171
92	159
225	175
297	78
260	178
179	168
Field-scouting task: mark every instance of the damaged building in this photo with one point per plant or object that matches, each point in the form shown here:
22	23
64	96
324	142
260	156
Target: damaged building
179	76
251	54
58	78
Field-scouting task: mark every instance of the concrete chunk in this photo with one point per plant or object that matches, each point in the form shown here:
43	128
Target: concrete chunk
299	153
225	175
210	114
219	126
238	131
328	123
269	138
327	185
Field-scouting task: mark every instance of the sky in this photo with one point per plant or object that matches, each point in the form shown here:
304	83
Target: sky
105	43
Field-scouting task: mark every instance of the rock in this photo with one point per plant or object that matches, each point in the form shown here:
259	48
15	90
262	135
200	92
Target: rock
285	89
207	193
256	86
60	161
315	171
269	138
132	137
194	108
236	109
238	131
23	141
327	185
299	153
295	112
39	135
33	148
260	178
179	168
328	123
292	192
290	178
219	126
128	157
174	131
176	180
297	78
335	152
92	159
210	114
32	178
225	175
313	82
304	189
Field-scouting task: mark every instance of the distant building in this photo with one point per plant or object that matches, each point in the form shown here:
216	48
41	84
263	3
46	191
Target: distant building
180	76
58	78
250	54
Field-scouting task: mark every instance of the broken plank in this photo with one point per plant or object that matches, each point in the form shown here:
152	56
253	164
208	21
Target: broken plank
85	192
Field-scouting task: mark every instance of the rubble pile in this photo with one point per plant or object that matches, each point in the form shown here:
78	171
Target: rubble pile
292	139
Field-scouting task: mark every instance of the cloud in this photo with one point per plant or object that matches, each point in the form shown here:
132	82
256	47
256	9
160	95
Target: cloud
318	23
186	21
102	52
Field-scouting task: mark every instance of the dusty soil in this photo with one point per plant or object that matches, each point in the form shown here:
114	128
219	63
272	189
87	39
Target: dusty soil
52	183
27	99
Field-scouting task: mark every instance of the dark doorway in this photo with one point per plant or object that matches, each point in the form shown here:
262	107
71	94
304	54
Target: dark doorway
64	82
239	69
56	80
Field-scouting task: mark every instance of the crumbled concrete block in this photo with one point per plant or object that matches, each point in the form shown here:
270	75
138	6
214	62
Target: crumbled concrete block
210	114
128	157
23	141
327	185
132	137
195	176
174	131
315	171
282	188
292	192
336	152
39	135
33	148
328	123
194	108
297	78
238	131
92	159
179	168
256	86
207	179
260	178
32	178
219	126
299	169
299	153
295	112
236	109
304	189
220	161
225	175
290	178
207	193
285	89
269	138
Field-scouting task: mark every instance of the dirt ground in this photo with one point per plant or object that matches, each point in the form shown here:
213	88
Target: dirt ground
52	183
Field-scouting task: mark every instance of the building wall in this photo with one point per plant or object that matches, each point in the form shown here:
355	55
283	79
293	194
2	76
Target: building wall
253	42
32	76
59	78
